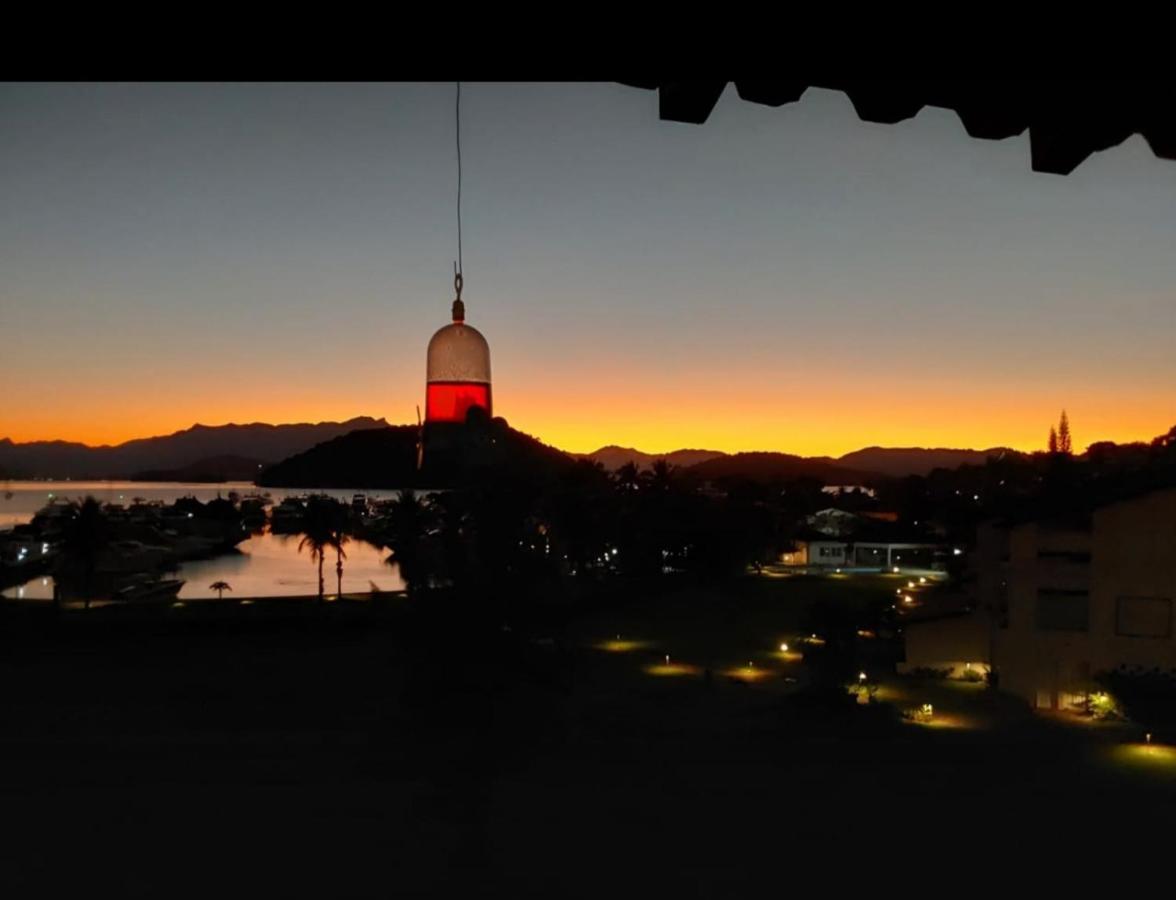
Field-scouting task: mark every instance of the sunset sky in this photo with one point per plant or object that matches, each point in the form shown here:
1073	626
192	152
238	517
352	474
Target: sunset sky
788	279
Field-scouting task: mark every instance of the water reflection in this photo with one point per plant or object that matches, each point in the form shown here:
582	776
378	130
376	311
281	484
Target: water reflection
269	565
265	565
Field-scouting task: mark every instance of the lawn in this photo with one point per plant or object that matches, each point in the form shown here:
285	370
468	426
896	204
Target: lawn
286	757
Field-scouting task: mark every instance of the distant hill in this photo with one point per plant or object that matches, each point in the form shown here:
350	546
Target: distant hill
893	462
256	441
898	462
214	469
386	458
613	457
763	466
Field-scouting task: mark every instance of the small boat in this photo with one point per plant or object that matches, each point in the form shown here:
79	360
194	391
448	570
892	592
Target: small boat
147	591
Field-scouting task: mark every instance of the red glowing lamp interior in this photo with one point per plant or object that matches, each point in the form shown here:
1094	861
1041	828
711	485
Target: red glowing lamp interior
449	401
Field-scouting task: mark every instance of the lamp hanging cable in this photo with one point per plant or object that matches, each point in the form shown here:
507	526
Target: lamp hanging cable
457	265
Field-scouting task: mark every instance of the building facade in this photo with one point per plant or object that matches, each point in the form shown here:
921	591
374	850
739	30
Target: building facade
1072	600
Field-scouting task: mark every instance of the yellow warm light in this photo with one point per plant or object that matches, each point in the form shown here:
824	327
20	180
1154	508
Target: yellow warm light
622	646
671	670
747	673
1158	755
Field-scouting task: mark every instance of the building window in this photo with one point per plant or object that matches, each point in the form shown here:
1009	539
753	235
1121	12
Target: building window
1062	610
1143	617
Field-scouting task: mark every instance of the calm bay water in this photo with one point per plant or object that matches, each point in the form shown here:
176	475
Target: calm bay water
29	496
265	565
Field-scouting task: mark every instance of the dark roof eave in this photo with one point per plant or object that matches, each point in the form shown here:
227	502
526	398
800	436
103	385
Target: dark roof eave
1067	121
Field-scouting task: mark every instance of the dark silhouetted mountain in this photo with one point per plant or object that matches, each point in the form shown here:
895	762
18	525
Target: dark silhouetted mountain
216	468
385	458
898	462
613	457
256	441
777	467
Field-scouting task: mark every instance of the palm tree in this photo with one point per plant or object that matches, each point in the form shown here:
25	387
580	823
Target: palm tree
220	587
411	518
661	476
317	524
338	539
340	521
86	537
628	476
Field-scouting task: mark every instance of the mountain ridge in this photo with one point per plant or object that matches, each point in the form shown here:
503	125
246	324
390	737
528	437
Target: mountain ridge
894	462
260	441
208	447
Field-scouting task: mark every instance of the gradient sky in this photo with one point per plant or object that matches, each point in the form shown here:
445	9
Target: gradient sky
790	279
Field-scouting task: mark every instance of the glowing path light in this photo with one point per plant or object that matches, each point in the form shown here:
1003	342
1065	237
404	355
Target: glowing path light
1159	758
622	645
747	673
672	670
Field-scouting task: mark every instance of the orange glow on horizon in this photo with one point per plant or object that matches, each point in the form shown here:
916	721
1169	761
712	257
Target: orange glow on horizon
800	419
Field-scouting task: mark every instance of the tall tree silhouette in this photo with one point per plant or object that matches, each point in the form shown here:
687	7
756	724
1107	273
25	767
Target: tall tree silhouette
86	538
628	477
1064	443
411	519
660	477
1053	439
220	587
317	522
339	537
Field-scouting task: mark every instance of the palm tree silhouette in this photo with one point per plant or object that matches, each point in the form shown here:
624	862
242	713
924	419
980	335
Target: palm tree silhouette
660	476
317	524
220	587
628	476
86	537
411	518
338	539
